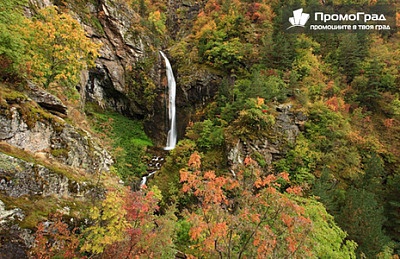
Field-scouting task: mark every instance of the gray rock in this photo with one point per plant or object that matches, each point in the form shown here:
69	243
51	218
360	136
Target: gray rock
46	100
64	143
7	216
15	131
269	149
21	178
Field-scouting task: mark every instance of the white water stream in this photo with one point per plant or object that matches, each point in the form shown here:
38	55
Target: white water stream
172	133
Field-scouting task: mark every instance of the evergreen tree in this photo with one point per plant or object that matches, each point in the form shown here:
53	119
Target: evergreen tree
362	217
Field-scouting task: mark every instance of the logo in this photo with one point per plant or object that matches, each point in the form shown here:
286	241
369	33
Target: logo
299	18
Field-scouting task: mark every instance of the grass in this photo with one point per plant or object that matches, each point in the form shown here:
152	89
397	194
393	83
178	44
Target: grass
127	139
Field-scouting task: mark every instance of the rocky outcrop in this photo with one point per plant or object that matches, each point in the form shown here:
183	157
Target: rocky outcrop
122	46
47	100
11	215
15	242
267	150
20	178
53	138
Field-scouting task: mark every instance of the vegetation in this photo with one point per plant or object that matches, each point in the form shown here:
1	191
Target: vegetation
129	142
49	48
240	184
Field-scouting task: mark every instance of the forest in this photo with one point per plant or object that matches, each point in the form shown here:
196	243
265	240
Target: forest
294	152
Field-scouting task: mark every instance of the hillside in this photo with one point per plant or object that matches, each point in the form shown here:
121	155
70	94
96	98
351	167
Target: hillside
288	140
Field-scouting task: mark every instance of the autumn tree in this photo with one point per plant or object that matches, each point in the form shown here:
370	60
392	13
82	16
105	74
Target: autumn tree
149	235
58	48
108	224
54	239
247	216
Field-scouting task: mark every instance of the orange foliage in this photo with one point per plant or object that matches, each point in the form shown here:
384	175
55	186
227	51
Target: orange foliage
249	205
337	104
55	240
194	160
388	123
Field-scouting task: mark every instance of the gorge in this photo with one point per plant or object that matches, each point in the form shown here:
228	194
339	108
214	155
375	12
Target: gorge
259	143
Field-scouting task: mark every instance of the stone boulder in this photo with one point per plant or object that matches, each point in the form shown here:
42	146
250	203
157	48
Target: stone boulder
46	100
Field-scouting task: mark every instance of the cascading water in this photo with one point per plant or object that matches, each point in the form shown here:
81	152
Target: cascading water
172	133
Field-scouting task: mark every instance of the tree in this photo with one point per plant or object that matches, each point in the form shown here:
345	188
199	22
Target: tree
109	224
352	49
248	217
54	239
363	218
148	235
58	48
12	44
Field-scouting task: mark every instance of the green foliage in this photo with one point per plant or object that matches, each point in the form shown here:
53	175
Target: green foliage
330	240
206	135
142	89
395	105
345	156
12	44
282	53
225	54
264	84
362	217
352	49
167	179
158	20
373	83
253	121
49	48
129	142
183	241
300	162
392	225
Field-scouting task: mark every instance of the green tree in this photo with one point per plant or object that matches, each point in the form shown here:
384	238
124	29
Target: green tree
352	49
373	84
206	134
12	44
362	217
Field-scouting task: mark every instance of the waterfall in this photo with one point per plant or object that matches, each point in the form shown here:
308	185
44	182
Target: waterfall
144	178
172	133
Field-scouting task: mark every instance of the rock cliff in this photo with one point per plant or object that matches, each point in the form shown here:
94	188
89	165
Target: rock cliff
44	161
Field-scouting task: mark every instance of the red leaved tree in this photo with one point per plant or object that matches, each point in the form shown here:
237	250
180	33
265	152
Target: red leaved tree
245	216
149	235
54	239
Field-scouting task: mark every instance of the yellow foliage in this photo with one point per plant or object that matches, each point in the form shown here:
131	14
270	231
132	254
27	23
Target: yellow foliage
59	49
110	224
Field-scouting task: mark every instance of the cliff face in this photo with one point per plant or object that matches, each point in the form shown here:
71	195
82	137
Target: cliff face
45	157
129	76
44	161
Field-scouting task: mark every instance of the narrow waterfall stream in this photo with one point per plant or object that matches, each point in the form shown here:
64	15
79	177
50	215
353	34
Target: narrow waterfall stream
156	162
172	133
